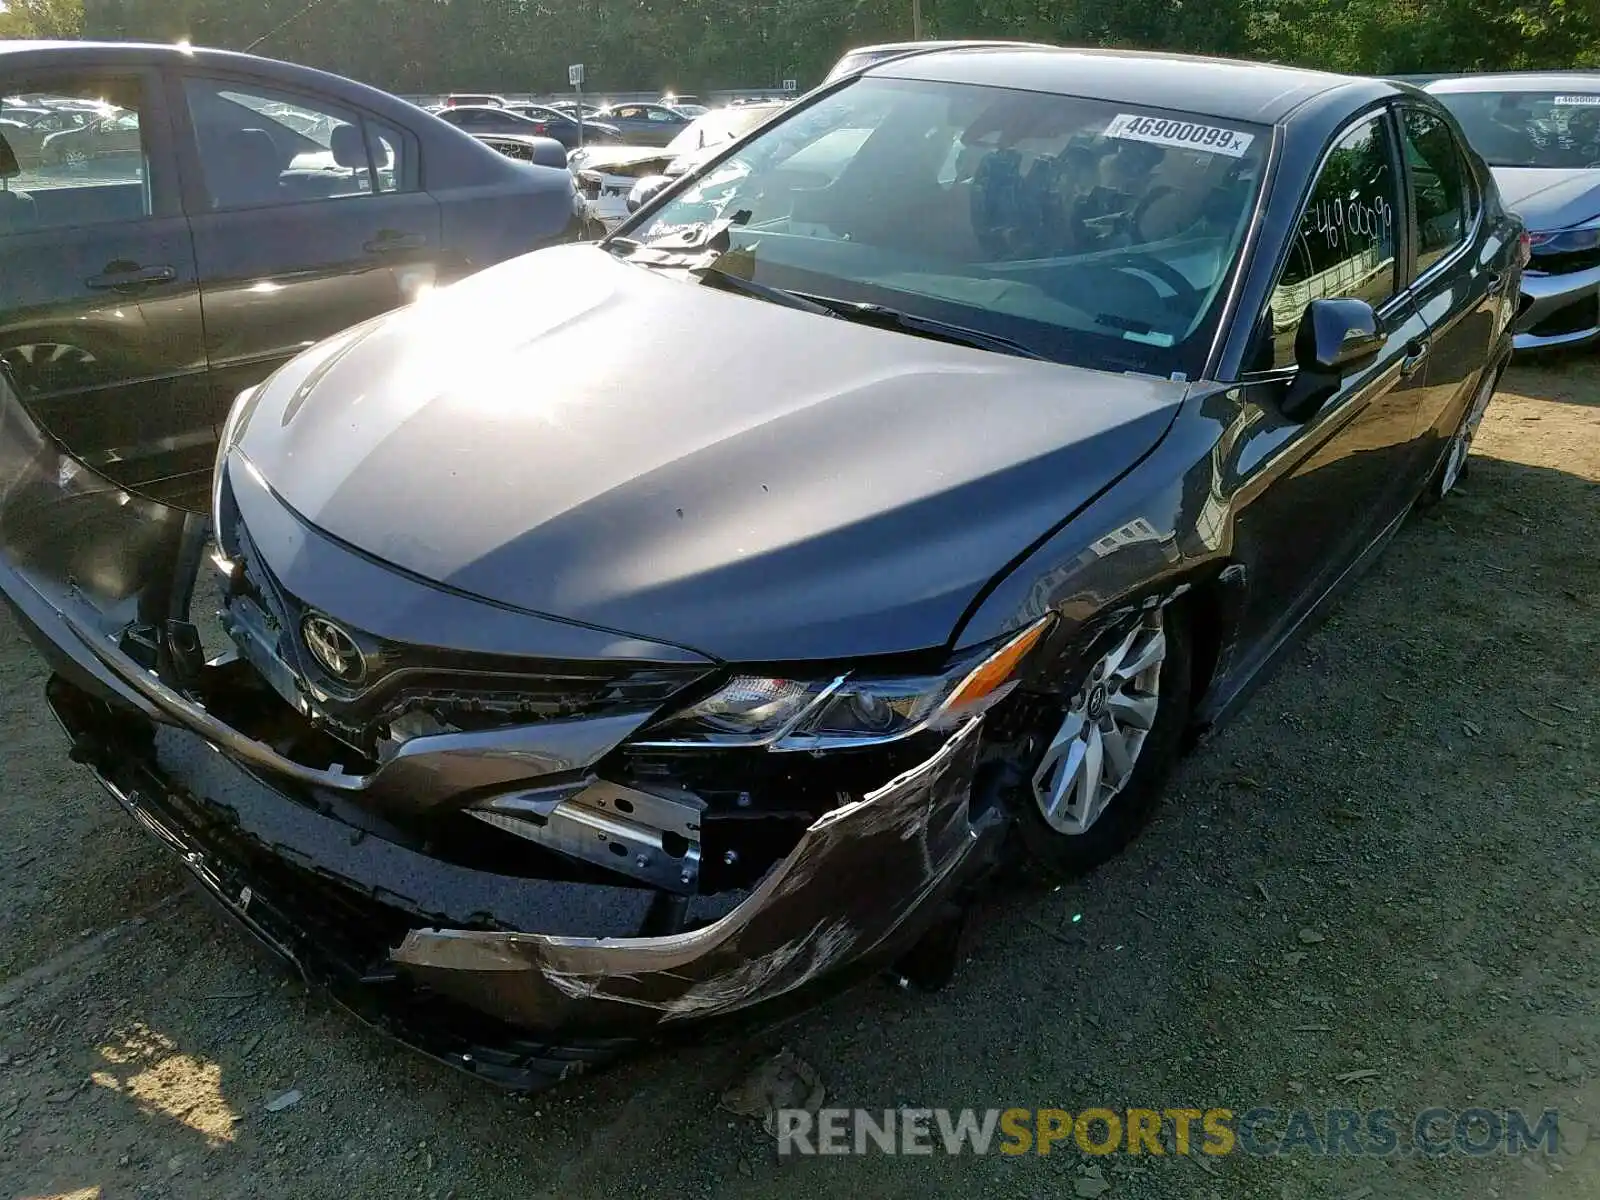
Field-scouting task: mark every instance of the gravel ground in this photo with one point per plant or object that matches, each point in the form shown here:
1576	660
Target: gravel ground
1386	866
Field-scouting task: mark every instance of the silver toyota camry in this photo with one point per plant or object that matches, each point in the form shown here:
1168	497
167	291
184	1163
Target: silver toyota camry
1540	134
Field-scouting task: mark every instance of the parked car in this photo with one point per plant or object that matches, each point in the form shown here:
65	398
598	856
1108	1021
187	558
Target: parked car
99	138
651	633
572	107
213	233
865	56
614	177
26	127
473	99
563	127
527	121
1540	134
644	124
689	106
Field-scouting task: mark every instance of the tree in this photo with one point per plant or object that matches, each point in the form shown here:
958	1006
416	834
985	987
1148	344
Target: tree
41	18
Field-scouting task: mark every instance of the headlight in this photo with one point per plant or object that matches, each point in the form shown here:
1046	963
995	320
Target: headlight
848	710
1566	241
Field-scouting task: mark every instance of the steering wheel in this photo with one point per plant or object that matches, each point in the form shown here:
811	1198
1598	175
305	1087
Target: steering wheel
1188	296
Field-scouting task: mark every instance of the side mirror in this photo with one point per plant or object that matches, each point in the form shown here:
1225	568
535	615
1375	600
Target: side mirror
646	190
548	152
1336	338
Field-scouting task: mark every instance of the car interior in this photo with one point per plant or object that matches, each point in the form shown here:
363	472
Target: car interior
254	154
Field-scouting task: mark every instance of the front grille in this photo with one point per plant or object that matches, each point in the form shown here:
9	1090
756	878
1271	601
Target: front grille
410	689
1565	264
1577	317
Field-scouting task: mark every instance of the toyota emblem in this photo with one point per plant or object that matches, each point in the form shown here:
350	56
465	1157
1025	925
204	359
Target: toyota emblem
334	649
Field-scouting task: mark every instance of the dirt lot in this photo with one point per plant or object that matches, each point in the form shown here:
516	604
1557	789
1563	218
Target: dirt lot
1419	788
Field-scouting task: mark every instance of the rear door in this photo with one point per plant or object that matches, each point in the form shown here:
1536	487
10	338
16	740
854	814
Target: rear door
1461	280
308	217
99	298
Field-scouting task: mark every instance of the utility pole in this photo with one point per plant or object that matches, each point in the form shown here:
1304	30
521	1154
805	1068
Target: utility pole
916	20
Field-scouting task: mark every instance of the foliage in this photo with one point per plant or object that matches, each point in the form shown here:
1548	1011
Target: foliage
693	45
41	18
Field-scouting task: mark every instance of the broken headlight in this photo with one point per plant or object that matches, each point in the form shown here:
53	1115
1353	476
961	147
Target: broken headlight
848	710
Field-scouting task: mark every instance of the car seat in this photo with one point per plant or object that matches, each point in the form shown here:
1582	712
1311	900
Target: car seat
349	148
247	170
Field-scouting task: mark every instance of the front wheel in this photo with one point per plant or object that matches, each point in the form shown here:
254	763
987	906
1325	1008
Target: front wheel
1101	774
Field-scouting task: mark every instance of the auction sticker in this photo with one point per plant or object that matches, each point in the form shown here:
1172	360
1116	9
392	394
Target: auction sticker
1564	101
1175	131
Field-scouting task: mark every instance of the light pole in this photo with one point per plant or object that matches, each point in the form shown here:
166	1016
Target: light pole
916	20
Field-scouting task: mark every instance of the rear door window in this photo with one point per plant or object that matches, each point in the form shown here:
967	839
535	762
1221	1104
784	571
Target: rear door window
1439	185
259	147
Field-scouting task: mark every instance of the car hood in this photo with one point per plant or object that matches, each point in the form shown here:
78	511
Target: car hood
572	435
599	158
1550	198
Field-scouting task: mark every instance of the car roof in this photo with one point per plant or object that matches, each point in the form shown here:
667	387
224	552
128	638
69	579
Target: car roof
1228	88
48	54
1514	81
936	44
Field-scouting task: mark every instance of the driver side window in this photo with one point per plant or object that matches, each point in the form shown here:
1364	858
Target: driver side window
1345	244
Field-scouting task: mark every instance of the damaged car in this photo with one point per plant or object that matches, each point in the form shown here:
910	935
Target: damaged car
617	179
584	691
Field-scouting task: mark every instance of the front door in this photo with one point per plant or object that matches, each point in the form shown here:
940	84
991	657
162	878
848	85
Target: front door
99	296
1315	494
308	217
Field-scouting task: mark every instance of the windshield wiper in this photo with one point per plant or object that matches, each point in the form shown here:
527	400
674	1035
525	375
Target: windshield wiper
714	274
884	317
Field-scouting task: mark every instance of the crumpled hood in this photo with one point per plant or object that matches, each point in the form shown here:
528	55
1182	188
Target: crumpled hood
1547	198
602	158
573	435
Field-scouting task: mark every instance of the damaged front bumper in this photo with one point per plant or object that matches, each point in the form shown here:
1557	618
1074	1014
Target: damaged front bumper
519	978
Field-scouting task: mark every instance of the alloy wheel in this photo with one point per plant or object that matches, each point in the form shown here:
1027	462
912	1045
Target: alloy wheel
1461	443
39	366
1093	754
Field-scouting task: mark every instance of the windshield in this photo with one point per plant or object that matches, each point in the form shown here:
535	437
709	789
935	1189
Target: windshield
722	125
1531	129
859	60
1093	233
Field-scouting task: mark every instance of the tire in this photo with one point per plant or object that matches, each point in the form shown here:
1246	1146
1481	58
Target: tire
1059	855
1453	467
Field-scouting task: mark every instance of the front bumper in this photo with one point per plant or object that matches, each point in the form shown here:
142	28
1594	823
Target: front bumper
524	980
1559	310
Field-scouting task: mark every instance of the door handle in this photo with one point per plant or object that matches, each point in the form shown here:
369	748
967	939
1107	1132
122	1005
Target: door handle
116	277
1497	283
1416	352
392	241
